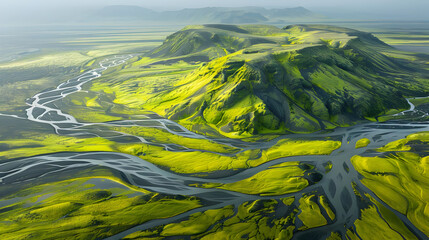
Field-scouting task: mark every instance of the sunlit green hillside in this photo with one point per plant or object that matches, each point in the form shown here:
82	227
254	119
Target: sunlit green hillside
253	79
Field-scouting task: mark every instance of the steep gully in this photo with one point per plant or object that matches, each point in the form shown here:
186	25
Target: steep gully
336	184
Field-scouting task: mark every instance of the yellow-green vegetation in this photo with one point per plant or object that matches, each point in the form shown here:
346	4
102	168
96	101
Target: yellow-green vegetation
398	38
77	209
125	40
65	59
325	204
55	63
310	214
262	80
394	222
135	86
400	179
328	167
288	201
419	101
287	147
401	144
371	226
24	78
361	143
11	98
198	222
194	162
252	220
93	107
35	143
92	116
162	136
334	236
277	180
351	235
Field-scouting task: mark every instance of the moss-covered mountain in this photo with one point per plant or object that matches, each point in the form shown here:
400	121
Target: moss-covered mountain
303	78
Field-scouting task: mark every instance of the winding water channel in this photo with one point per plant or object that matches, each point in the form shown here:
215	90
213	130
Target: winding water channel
336	184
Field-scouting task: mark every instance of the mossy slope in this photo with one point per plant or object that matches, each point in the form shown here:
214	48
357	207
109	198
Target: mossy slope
262	79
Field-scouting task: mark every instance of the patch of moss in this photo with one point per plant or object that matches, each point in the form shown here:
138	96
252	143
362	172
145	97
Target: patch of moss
334	236
310	214
288	201
194	162
162	136
252	220
182	162
198	222
325	204
74	208
399	179
371	226
37	144
392	220
361	143
277	180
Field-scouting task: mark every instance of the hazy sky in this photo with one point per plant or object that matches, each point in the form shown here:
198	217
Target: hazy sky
202	3
373	9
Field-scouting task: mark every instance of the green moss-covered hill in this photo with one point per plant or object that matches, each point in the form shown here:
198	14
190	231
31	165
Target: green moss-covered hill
302	78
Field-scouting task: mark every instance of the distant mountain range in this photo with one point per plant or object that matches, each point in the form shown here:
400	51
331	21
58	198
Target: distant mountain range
204	15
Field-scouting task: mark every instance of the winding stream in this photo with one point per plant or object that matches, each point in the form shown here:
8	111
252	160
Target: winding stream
336	184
